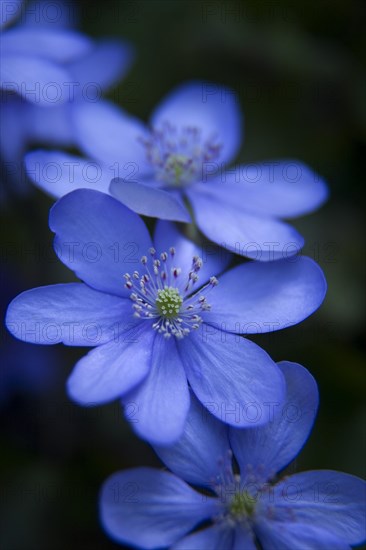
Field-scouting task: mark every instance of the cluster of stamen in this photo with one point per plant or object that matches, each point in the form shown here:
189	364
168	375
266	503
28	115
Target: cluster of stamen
178	155
160	295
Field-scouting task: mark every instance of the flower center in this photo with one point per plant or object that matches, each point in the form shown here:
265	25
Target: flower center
242	505
178	154
161	295
168	302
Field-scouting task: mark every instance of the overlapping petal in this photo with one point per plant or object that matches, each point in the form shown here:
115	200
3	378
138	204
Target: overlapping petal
98	238
324	499
72	313
162	401
212	538
114	368
231	376
275	444
109	135
279	188
58	173
148	200
261	297
255	236
213	109
199	455
151	509
37	80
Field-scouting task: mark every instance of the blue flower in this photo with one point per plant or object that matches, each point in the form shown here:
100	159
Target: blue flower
158	318
193	134
90	69
242	505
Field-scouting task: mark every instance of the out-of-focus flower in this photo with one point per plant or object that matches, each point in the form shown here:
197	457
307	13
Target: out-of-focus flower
240	505
165	321
87	72
193	134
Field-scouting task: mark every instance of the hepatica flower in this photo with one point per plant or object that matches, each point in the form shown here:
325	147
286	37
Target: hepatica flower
89	72
181	157
32	58
158	318
242	504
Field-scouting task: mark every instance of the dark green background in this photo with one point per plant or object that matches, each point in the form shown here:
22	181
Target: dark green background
298	69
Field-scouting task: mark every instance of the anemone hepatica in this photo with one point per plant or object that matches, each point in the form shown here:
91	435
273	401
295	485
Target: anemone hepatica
91	70
243	504
158	318
182	156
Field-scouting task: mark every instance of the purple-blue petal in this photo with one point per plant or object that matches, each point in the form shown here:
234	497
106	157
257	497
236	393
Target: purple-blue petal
98	238
148	200
211	108
37	80
113	369
255	236
150	509
72	313
55	45
106	133
300	536
58	173
161	402
324	499
106	63
262	297
231	376
282	188
269	448
198	456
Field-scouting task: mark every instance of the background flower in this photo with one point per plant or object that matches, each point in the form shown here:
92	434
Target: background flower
182	155
317	509
87	73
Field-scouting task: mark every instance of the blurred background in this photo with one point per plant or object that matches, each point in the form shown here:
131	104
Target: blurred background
299	71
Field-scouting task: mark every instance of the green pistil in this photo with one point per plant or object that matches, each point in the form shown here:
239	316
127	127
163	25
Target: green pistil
176	164
169	302
243	504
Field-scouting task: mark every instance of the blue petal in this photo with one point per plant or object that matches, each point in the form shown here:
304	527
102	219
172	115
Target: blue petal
300	536
37	80
162	401
231	226
324	499
9	10
113	369
231	376
98	238
52	44
283	189
148	200
268	449
59	173
209	107
214	259
151	509
108	62
73	314
51	126
217	537
199	455
105	132
261	297
244	539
